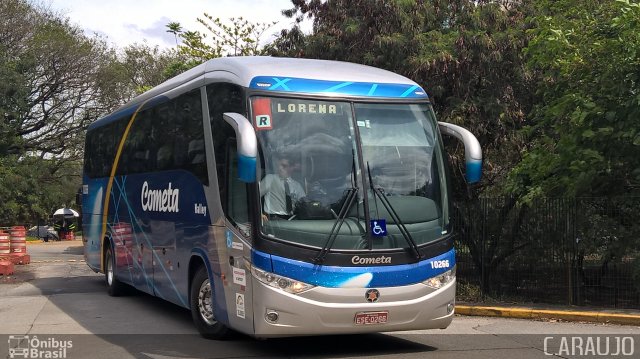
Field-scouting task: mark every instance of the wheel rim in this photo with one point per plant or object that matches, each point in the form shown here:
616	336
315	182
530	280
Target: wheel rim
109	271
205	305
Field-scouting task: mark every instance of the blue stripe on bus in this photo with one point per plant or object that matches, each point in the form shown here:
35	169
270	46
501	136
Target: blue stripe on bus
473	171
361	277
261	260
247	168
309	86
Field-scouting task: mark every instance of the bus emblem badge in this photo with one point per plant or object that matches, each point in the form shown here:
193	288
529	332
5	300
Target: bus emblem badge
372	295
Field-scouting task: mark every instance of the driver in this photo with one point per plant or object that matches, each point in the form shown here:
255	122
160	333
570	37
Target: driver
280	191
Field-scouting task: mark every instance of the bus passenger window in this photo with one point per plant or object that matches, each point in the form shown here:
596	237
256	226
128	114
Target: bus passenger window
188	136
164	158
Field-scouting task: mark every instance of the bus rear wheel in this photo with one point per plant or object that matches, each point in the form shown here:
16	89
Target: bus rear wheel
115	288
202	301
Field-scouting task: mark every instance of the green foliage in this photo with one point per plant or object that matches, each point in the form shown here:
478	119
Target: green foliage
585	128
49	71
175	28
239	38
32	188
49	93
138	68
55	81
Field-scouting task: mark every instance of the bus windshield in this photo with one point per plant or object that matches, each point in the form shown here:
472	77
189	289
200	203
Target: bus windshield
316	155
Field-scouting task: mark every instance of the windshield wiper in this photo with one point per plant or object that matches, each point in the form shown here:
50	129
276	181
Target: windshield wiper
333	234
344	209
394	215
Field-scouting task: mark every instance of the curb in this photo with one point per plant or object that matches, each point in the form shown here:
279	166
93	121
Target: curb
530	313
59	261
77	242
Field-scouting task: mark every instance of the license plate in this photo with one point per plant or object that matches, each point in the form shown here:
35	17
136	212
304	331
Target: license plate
371	318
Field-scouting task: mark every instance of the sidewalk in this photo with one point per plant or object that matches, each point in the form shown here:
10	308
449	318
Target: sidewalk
568	313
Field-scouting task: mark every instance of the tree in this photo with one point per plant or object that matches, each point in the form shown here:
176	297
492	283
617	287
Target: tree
585	129
175	29
32	188
240	38
50	93
56	80
138	68
50	90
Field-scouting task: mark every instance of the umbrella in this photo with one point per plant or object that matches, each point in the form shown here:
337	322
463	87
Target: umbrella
67	212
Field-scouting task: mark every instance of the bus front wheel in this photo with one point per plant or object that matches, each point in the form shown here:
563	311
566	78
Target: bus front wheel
202	301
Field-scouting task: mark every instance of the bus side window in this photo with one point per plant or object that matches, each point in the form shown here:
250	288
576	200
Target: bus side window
189	152
137	154
223	97
106	142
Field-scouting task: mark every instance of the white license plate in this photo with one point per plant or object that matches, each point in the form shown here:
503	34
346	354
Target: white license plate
371	318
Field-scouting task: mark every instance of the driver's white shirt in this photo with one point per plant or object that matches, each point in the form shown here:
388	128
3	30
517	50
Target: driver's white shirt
272	189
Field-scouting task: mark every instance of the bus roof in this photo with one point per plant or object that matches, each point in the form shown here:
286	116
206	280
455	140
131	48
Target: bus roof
292	75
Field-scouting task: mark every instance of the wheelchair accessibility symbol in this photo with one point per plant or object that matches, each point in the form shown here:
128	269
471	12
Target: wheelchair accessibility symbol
379	227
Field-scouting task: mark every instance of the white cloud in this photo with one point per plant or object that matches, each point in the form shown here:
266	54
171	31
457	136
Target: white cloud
124	22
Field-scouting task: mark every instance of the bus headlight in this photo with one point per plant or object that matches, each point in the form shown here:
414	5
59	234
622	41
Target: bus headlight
441	280
283	283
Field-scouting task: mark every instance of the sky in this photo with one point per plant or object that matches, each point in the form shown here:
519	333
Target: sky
124	22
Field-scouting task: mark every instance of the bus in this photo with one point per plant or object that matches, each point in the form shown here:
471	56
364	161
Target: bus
278	197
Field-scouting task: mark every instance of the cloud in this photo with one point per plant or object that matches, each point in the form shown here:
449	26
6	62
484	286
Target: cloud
124	22
155	34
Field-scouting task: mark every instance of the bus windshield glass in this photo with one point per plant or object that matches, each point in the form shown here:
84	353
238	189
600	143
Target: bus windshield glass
316	155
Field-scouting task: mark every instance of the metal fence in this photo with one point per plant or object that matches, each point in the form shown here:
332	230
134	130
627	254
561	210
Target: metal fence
578	251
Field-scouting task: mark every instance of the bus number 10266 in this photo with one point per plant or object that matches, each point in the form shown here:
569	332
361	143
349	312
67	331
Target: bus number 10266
440	264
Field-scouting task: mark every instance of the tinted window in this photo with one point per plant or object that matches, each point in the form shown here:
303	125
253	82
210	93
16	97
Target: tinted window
167	137
223	98
100	148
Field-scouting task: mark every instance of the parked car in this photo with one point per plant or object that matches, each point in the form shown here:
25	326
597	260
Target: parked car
45	233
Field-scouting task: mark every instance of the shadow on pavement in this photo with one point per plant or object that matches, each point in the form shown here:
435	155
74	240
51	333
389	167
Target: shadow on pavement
144	326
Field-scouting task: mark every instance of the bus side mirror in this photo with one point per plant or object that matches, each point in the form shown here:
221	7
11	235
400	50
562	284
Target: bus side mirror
472	149
247	146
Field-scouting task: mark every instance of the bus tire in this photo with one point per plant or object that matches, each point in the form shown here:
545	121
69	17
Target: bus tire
115	288
201	304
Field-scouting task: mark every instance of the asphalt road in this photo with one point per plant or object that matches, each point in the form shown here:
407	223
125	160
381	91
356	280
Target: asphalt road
58	301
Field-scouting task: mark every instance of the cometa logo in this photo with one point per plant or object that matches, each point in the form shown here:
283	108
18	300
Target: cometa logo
371	260
159	200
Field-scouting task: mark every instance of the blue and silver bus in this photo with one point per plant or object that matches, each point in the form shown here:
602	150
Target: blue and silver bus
278	197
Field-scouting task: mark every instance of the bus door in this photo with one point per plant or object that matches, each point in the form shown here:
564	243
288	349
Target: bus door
237	234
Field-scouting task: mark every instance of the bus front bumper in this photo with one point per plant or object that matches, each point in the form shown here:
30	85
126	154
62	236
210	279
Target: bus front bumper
323	311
